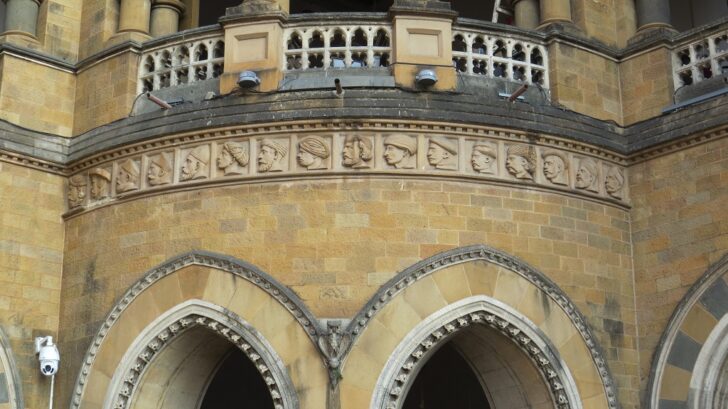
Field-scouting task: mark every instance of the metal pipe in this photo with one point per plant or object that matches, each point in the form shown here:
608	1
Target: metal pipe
518	93
339	89
163	104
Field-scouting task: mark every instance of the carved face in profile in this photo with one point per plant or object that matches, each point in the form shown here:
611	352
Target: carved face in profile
76	191
357	152
554	168
395	155
586	175
614	182
483	159
100	179
436	154
225	159
267	157
518	166
128	176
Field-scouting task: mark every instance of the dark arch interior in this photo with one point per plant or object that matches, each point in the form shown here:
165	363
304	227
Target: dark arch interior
237	384
446	381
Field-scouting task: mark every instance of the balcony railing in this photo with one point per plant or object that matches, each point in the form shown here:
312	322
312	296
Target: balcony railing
701	60
181	62
496	55
337	46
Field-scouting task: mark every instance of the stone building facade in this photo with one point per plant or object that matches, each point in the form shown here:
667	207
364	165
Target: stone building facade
418	204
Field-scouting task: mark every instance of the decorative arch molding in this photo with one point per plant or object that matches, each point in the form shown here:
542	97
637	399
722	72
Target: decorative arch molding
197	313
411	275
707	383
9	371
709	297
436	330
284	296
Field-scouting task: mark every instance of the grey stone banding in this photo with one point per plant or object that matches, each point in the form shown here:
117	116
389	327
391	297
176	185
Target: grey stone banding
670	344
252	274
481	252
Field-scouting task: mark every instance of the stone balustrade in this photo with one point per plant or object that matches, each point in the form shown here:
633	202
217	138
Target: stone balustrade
495	55
700	60
337	46
181	62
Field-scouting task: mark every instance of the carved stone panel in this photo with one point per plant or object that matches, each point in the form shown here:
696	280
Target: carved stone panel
442	153
587	175
614	182
233	158
521	161
272	154
159	169
100	183
314	153
484	158
195	163
127	175
400	151
76	191
358	151
555	167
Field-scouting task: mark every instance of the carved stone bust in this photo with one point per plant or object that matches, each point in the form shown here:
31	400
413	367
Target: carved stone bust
400	150
127	178
521	161
196	164
100	183
312	152
160	170
76	191
586	175
483	158
442	153
232	159
270	156
614	182
357	152
555	167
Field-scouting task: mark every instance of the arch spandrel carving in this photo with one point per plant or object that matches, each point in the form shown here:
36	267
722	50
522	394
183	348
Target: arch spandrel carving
213	279
483	266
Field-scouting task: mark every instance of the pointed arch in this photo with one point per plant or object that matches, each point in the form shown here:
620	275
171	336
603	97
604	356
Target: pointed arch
10	386
692	349
249	298
421	290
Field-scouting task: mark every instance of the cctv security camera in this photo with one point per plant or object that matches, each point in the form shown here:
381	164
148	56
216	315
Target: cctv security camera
48	355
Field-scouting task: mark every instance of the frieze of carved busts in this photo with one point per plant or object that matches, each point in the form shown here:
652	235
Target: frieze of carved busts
521	161
100	183
358	152
76	191
587	175
614	182
196	164
312	153
442	153
555	167
159	171
271	155
400	150
127	178
233	158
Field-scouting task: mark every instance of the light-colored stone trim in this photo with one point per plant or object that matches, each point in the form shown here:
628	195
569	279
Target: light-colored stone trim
680	144
435	330
274	153
443	260
31	162
252	274
706	380
667	341
12	376
224	323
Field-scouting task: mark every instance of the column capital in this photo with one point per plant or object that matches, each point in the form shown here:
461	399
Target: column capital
174	4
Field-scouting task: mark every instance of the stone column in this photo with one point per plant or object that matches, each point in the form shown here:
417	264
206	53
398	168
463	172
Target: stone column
652	14
21	16
165	17
134	16
555	11
526	13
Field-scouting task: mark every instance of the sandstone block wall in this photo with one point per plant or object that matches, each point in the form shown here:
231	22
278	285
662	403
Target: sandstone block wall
336	242
31	254
680	227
